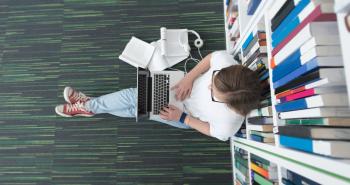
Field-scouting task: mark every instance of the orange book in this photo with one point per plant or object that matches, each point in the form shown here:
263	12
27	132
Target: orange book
289	92
259	170
272	63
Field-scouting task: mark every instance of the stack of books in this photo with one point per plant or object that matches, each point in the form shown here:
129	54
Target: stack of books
263	171
232	20
255	57
241	165
291	178
308	77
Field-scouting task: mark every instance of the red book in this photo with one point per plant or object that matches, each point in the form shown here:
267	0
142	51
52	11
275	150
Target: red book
302	94
289	92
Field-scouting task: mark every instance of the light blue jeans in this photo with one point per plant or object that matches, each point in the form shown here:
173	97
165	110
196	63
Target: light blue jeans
123	104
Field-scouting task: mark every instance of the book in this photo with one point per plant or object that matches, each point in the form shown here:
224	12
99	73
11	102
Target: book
257	54
290	66
252	6
275	8
299	179
265	111
261	128
260	28
324	83
295	18
313	34
316	15
260	120
290	17
316	113
323	147
262	139
287	7
259	170
324	100
312	65
264	76
311	92
137	53
334	76
262	134
315	132
261	180
254	42
297	59
340	122
256	47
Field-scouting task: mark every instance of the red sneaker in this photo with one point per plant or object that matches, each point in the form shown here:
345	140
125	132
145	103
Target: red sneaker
76	109
72	96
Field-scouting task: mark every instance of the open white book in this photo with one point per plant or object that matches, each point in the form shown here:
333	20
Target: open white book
137	53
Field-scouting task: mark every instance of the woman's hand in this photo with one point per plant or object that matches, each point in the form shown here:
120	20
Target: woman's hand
170	113
183	88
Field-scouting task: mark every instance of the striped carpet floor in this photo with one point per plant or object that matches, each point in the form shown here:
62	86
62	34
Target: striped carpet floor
48	44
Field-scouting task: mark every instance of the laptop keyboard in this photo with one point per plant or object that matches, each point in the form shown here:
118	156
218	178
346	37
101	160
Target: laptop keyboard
141	99
161	92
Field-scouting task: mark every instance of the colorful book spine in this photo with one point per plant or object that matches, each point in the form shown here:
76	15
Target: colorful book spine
259	170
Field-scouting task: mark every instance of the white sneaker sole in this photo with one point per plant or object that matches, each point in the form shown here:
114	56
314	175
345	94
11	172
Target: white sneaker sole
65	95
69	116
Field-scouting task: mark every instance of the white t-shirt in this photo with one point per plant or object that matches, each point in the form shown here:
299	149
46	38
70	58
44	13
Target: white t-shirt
223	121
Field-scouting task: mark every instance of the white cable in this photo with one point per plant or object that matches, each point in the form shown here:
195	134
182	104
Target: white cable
199	52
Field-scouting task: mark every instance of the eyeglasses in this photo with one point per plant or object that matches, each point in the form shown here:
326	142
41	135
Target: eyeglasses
213	98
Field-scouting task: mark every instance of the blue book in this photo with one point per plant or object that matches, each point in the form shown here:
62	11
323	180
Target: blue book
307	67
288	24
247	41
252	6
256	138
296	143
298	179
292	105
265	76
288	65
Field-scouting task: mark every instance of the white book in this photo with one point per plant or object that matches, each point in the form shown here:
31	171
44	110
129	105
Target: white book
316	112
265	111
137	53
325	56
261	128
327	82
315	33
331	99
331	148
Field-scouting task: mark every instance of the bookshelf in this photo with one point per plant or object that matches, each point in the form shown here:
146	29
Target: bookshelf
318	168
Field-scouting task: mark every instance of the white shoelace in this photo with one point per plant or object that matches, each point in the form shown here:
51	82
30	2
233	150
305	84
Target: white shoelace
77	106
80	96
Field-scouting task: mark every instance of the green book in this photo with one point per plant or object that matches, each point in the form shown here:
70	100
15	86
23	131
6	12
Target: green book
261	180
262	134
241	160
320	121
241	167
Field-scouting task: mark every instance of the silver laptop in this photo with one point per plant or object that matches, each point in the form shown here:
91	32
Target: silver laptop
153	92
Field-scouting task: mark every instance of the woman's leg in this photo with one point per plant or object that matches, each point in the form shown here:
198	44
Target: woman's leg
121	103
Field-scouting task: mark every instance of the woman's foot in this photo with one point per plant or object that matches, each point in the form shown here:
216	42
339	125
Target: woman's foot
72	96
76	109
